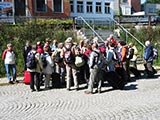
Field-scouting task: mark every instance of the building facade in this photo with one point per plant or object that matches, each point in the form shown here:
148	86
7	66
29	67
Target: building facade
151	9
88	9
55	8
127	6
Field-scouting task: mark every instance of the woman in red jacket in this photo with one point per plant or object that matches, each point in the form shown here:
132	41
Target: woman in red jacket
9	60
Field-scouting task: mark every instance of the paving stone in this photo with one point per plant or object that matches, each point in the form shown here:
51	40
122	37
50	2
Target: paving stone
140	100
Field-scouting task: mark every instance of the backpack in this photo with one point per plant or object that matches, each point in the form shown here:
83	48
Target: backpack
31	60
44	61
130	53
155	53
68	56
79	61
57	58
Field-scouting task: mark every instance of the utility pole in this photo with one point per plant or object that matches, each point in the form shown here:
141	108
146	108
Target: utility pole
13	11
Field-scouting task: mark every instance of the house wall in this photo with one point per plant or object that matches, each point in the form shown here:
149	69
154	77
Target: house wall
136	5
32	10
95	15
151	9
65	13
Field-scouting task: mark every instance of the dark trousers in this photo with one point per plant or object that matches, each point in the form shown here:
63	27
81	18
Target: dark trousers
134	64
149	71
35	80
125	66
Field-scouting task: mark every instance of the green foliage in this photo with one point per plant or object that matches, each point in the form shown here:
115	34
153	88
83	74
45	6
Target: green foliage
143	34
65	24
153	1
18	35
158	12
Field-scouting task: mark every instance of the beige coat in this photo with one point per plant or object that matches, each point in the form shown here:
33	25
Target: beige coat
135	54
39	67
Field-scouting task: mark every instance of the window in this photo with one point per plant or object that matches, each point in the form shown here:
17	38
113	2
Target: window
79	6
98	7
89	7
71	6
107	8
125	1
151	10
57	6
41	6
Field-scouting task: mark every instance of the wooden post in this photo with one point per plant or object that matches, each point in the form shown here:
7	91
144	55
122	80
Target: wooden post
74	22
119	21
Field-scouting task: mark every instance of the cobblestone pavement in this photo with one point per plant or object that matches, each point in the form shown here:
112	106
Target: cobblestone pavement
140	100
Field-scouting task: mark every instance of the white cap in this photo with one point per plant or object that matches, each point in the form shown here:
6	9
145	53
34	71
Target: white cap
95	39
69	40
111	35
147	43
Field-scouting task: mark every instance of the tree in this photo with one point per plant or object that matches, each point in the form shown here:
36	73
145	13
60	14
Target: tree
153	1
158	12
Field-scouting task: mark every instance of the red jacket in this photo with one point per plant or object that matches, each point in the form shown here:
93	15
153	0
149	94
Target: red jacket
114	42
4	54
87	53
39	49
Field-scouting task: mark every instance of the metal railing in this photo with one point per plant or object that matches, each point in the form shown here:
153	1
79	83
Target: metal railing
100	38
127	32
124	29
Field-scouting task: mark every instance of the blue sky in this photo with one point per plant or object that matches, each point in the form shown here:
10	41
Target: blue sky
142	1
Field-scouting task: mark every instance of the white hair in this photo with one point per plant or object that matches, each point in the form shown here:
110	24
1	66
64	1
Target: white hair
147	43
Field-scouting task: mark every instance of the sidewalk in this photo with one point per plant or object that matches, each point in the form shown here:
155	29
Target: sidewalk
140	100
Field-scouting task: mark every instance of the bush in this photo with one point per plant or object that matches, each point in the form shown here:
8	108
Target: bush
144	34
18	35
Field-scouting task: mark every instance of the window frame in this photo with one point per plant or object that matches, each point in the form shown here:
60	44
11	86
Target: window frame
60	8
98	7
107	9
89	7
72	6
38	10
80	7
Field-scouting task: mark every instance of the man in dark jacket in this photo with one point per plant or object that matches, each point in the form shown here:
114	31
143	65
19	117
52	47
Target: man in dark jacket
148	56
26	50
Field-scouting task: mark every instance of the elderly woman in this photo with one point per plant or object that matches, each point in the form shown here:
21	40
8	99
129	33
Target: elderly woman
148	56
35	71
9	60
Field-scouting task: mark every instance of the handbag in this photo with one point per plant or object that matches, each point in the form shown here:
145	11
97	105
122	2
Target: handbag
79	61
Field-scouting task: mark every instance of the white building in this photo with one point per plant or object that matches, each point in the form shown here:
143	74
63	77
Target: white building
151	9
126	9
92	9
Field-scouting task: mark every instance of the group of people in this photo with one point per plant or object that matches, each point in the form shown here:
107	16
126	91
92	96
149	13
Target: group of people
94	57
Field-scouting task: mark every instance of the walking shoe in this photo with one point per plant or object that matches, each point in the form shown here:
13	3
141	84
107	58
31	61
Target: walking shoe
10	82
88	92
16	81
32	90
37	90
98	91
77	89
68	89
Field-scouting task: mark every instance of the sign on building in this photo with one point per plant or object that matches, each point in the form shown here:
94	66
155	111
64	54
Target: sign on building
6	5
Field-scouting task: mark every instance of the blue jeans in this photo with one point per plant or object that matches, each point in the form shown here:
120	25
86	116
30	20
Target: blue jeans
11	67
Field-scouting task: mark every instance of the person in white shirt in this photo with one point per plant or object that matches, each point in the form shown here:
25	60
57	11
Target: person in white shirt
9	60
